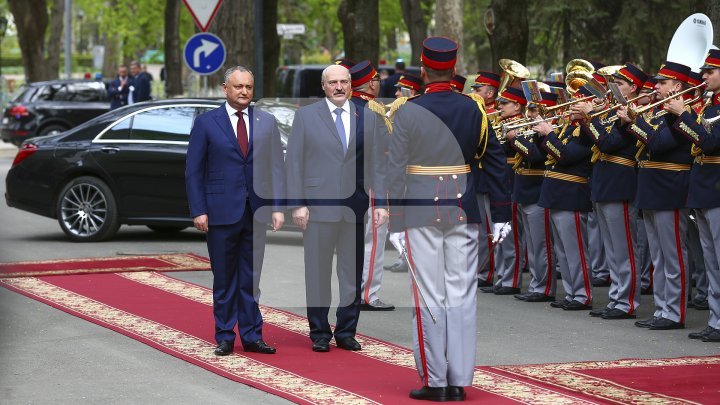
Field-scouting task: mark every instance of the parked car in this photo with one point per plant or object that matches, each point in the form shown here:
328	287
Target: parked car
44	108
124	167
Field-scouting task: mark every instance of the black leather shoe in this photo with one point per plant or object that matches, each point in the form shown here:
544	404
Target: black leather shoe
601	282
506	291
701	334
559	304
645	323
700	305
483	283
437	394
321	345
713	336
597	313
522	297
576	306
539	297
617	313
348	343
646	291
488	290
224	348
454	391
376	305
666	324
259	347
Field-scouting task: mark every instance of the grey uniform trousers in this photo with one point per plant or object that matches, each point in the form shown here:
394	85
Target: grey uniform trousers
617	222
486	260
642	252
509	255
708	221
445	259
570	243
666	230
596	249
374	259
696	263
535	222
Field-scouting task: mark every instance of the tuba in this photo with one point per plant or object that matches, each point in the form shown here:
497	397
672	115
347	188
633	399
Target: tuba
511	71
579	72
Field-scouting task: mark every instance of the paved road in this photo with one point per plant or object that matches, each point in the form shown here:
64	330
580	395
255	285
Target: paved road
49	356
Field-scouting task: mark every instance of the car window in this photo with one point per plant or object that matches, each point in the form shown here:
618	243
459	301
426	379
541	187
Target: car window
119	131
87	92
25	93
163	124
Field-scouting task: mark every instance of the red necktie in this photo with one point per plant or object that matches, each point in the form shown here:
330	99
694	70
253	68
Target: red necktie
242	135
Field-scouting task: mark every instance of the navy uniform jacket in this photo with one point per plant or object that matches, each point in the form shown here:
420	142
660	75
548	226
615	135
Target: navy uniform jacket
373	124
529	172
440	128
612	181
491	177
660	189
569	153
704	189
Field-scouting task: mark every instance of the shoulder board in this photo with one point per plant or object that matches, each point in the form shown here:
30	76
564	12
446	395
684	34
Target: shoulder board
476	97
376	107
396	104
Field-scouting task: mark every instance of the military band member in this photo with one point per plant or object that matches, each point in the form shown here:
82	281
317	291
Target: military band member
614	182
566	192
365	88
662	193
458	83
703	193
436	138
486	86
408	86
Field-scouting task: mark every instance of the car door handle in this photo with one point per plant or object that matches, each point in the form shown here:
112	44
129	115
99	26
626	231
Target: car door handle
110	149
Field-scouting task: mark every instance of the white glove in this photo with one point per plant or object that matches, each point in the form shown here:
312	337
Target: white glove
505	231
398	241
500	232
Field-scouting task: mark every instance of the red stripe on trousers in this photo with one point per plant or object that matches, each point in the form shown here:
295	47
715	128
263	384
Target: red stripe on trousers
371	267
548	253
631	245
586	280
518	255
491	255
418	314
678	245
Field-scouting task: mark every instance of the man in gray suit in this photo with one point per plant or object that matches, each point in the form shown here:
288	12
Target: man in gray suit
327	177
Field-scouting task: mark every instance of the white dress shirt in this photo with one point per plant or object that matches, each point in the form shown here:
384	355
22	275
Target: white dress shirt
234	119
345	116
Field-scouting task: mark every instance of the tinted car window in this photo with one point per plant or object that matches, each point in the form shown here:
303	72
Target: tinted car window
85	92
120	131
163	124
311	82
25	93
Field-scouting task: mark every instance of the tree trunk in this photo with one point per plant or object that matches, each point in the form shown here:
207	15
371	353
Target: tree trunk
173	57
271	46
416	22
111	44
714	14
361	29
449	23
235	25
509	37
56	38
31	20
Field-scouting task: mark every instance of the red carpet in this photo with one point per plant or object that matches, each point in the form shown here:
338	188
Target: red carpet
168	262
176	318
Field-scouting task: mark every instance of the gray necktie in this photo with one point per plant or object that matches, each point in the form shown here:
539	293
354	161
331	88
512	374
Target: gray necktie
341	129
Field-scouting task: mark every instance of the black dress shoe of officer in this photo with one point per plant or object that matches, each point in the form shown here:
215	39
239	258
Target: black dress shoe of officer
701	334
666	324
437	394
597	313
601	282
483	283
576	306
539	297
646	291
259	347
348	343
454	391
488	290
701	305
713	336
321	345
617	313
376	305
224	348
559	304
522	297
506	291
645	323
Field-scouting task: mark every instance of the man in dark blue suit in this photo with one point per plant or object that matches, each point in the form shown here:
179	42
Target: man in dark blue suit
235	181
139	85
118	89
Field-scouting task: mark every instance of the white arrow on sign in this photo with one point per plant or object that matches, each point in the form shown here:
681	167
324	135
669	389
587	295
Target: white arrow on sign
203	11
206	49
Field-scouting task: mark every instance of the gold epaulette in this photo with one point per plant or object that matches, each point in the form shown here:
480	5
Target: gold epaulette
379	109
477	98
395	105
483	138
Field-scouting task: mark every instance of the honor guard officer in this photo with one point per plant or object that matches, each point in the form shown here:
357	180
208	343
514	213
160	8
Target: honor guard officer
371	117
534	220
408	86
703	193
662	194
508	254
566	192
614	182
436	137
458	83
486	86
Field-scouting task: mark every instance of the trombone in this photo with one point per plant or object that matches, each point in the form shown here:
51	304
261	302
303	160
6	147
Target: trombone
618	105
633	113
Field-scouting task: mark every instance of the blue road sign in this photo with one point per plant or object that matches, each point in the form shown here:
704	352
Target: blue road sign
204	53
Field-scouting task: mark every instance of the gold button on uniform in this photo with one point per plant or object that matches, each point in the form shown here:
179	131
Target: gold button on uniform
459	195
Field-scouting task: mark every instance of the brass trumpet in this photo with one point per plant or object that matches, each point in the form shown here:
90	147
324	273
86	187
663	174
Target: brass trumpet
616	106
633	113
687	102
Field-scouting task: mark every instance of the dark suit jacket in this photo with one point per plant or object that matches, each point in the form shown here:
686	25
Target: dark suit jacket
219	180
118	95
141	87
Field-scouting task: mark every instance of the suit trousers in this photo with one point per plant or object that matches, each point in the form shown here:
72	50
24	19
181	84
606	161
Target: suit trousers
321	241
509	255
535	222
596	249
570	242
236	257
617	222
486	258
373	260
444	260
666	230
708	221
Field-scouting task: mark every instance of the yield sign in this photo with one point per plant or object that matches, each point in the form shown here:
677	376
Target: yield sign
203	11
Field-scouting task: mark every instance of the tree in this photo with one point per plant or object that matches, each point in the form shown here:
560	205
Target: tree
271	46
173	57
361	29
449	23
416	14
507	25
32	19
235	25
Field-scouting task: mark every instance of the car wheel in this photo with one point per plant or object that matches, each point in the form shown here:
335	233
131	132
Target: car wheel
51	130
86	210
166	228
